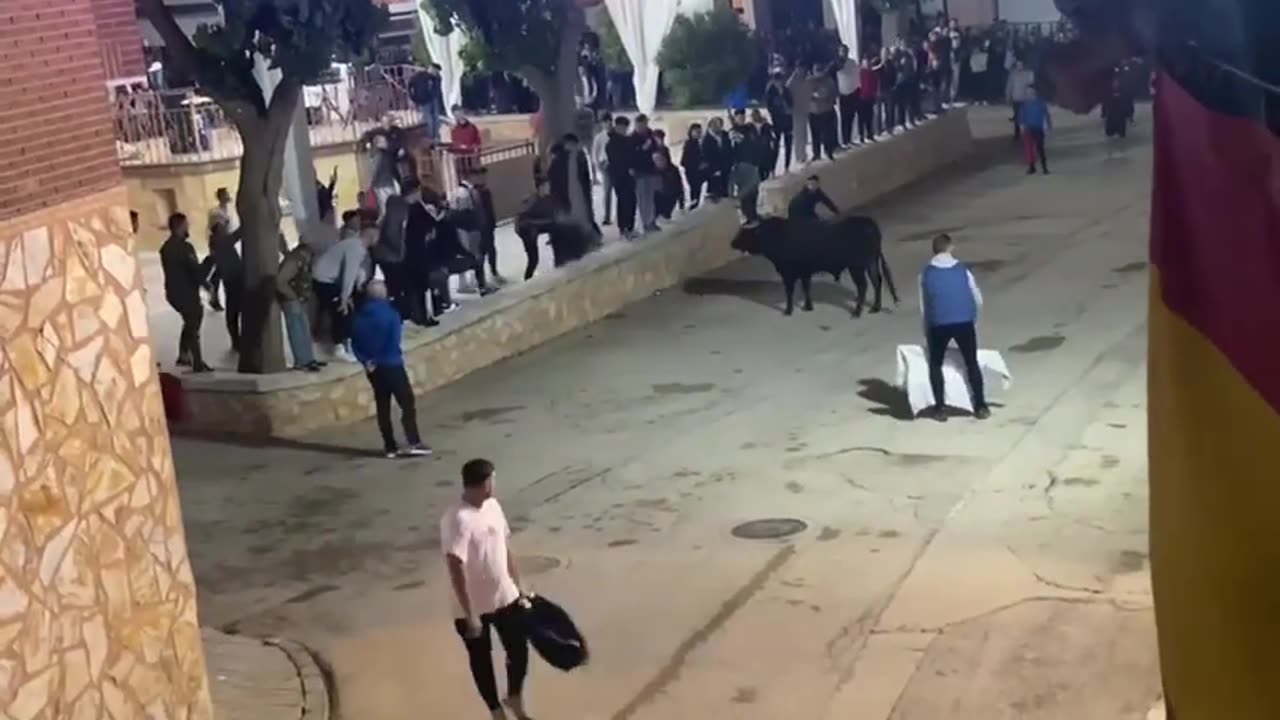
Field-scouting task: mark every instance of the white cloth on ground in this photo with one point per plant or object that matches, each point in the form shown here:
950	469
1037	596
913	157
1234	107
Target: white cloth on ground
913	376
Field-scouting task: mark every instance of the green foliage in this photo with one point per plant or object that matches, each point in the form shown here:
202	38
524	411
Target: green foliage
300	38
611	47
706	56
504	35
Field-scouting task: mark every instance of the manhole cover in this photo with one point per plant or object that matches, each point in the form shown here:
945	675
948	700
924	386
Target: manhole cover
538	564
769	528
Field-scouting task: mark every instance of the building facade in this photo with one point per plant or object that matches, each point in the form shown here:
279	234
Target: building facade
97	601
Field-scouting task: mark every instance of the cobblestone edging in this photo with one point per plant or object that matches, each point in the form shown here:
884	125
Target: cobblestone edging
264	679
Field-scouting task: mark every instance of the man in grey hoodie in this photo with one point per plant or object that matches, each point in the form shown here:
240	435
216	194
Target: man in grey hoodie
337	274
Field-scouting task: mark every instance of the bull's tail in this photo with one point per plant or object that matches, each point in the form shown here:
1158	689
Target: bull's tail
888	277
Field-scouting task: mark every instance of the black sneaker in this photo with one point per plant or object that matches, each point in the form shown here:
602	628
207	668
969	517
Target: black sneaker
936	413
982	413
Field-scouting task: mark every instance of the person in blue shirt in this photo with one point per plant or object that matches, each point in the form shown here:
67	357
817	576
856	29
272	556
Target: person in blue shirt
1036	123
950	300
375	341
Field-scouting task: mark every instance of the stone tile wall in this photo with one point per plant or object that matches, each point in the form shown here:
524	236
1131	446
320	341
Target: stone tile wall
97	600
524	316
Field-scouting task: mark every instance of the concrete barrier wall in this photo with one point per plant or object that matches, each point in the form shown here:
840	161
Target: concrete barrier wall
527	315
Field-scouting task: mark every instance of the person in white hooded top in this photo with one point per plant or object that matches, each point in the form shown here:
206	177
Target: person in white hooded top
950	301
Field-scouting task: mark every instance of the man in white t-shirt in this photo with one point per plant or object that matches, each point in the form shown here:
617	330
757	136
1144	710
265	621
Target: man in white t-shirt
486	587
849	84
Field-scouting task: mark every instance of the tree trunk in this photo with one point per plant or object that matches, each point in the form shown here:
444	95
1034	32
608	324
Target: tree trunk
555	89
258	202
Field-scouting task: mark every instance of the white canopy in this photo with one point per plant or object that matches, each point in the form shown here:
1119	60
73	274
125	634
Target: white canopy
643	25
446	51
845	13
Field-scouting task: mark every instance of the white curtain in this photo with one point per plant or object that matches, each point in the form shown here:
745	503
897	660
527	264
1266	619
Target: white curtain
642	25
446	50
845	13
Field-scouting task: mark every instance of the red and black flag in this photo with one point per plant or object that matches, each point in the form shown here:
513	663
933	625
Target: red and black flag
1214	382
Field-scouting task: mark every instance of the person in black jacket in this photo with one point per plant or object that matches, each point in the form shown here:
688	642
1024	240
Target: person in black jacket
229	267
420	227
694	164
570	176
777	100
718	158
620	152
182	282
426	91
804	206
389	251
767	146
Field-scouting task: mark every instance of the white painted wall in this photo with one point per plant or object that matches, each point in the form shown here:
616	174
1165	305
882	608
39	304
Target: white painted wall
1028	11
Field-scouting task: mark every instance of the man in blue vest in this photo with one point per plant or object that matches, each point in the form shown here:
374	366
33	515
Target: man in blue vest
950	300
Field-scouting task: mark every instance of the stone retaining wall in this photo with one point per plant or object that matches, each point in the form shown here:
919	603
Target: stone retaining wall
524	316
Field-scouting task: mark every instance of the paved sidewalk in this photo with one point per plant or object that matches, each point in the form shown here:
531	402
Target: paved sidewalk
252	679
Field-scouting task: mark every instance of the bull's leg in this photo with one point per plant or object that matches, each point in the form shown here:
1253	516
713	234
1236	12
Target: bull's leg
860	281
808	298
789	285
873	274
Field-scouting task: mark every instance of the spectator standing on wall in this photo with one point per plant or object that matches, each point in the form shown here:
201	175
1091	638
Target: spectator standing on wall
746	173
955	43
337	274
777	100
182	281
426	89
694	164
766	144
800	88
465	141
389	252
718	157
600	163
419	229
646	173
376	342
849	86
293	289
822	118
671	189
868	96
469	217
620	153
570	177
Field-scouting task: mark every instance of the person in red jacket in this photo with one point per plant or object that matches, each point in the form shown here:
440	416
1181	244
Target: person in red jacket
868	95
464	142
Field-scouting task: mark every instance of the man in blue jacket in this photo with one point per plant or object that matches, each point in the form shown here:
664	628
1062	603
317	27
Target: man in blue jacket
1036	123
950	300
375	340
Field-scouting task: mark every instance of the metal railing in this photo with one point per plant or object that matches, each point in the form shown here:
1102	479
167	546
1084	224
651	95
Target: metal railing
182	126
444	167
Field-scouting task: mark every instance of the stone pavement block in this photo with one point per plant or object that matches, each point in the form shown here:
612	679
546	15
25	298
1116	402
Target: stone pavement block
253	679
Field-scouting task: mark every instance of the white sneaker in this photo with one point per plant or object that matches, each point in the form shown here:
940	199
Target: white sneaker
499	280
343	354
449	308
416	451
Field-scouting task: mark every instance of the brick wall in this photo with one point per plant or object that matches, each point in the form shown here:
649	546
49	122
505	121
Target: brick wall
56	139
119	37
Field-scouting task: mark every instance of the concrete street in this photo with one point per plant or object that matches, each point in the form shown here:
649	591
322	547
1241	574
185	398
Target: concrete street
967	570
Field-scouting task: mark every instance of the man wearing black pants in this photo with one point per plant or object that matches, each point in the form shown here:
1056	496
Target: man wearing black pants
950	299
182	280
475	538
620	150
375	340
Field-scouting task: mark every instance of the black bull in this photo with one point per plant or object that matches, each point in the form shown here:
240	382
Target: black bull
800	249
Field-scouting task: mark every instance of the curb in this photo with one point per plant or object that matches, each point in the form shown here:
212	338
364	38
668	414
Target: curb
316	700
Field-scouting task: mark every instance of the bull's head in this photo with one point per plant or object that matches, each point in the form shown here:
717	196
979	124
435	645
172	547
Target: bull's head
753	240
